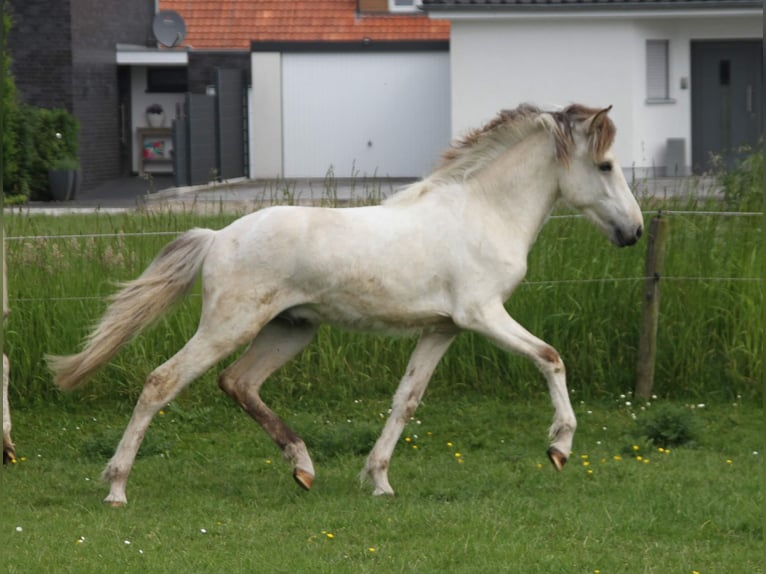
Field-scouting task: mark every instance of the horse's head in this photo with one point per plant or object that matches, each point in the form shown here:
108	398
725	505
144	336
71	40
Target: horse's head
590	178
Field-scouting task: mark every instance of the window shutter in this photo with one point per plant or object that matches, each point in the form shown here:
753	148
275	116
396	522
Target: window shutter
657	70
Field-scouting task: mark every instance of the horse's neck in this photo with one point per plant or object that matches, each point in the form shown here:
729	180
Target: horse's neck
521	186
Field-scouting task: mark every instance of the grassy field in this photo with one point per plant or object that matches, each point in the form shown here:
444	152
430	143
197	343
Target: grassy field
475	492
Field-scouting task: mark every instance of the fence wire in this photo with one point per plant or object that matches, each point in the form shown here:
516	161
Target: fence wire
561	216
552	282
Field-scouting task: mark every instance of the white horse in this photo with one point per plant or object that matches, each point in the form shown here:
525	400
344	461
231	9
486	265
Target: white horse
9	453
439	257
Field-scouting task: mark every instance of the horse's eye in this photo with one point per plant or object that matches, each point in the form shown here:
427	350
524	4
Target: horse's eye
605	166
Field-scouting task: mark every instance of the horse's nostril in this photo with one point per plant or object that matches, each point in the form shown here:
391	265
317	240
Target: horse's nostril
639	231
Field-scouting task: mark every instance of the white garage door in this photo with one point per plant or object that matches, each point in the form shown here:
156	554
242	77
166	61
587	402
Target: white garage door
379	114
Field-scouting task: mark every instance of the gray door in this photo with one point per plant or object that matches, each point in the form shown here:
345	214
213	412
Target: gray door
726	100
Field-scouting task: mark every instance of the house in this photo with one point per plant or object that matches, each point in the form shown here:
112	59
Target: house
342	87
100	60
62	55
352	86
684	76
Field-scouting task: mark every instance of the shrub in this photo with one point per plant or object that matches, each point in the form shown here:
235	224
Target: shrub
8	111
45	136
668	425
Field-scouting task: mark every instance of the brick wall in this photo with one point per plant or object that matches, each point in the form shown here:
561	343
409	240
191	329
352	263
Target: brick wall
97	26
41	50
64	55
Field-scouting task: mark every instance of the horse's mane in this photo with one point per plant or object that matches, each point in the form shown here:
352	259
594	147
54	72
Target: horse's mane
480	146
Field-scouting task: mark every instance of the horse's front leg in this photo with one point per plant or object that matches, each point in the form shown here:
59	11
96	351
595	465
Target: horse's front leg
427	354
494	322
9	453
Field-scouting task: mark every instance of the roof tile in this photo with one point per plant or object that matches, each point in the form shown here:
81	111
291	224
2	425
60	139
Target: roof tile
233	24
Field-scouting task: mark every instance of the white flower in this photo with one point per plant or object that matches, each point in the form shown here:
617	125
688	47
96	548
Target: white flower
19	529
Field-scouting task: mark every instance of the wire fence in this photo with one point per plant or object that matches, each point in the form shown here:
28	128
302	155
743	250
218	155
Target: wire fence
525	283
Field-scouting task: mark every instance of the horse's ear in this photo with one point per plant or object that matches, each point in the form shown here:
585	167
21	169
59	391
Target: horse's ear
593	123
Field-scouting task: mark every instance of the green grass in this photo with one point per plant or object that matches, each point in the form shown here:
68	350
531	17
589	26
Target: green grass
581	295
209	492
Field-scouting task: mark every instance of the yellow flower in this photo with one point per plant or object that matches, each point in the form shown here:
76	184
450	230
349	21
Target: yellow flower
617	457
584	456
371	549
449	444
539	465
586	463
330	535
729	461
635	447
458	455
407	439
639	458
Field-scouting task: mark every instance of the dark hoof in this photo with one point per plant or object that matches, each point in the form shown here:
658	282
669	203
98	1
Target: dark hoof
303	478
557	458
9	456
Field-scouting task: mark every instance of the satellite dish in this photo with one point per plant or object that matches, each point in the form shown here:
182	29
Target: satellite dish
169	28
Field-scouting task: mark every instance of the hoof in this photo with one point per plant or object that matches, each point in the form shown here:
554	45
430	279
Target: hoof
557	458
383	493
117	504
303	478
9	456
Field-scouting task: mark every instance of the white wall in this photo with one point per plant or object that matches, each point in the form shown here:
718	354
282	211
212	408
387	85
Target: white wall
597	61
266	116
500	64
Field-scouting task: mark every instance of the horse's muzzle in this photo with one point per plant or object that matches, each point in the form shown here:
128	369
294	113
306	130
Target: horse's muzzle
624	239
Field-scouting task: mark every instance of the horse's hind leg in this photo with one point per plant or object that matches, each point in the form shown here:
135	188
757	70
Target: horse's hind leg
276	344
9	454
162	385
427	354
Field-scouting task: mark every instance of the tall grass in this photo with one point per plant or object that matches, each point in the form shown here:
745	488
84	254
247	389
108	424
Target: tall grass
582	295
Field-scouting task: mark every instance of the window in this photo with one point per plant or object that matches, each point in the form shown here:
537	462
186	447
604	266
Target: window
166	80
403	5
657	76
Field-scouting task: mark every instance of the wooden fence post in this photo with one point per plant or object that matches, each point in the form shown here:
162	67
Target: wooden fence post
655	254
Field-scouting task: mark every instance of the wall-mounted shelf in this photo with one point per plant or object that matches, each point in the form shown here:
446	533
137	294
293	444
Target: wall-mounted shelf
155	150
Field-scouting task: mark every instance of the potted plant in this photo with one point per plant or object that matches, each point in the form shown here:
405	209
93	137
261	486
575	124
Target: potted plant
155	116
64	179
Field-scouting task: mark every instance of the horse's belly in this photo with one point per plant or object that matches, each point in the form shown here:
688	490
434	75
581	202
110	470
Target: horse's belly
388	319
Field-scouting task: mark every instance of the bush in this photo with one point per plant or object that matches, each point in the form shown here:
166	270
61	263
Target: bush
46	138
668	425
8	103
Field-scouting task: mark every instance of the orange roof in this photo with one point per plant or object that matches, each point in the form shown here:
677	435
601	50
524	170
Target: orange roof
233	24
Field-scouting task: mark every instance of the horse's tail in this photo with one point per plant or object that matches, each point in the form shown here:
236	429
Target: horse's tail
138	304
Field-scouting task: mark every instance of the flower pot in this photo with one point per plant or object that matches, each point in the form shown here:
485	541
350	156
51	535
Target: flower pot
155	120
63	183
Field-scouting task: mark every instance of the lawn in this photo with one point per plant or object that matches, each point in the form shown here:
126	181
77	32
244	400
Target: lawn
475	493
